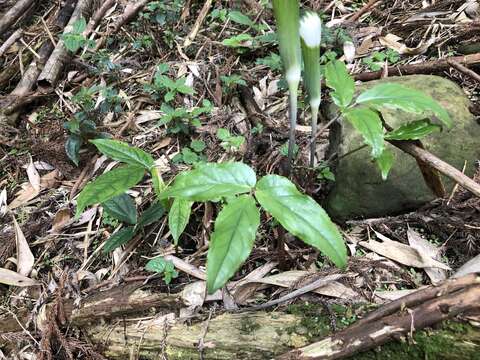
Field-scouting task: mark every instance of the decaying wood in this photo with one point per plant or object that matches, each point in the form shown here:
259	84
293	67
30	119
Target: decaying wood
131	10
464	70
117	302
15	12
426	67
198	23
10	41
366	335
97	17
51	72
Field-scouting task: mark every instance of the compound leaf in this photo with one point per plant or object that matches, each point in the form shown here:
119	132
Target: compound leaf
121	207
211	181
178	217
108	185
369	124
413	130
118	239
342	84
301	216
395	96
120	151
232	240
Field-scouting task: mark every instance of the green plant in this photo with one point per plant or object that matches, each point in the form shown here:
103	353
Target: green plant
162	12
229	142
376	61
363	112
163	85
230	80
162	266
273	61
180	119
235	185
74	39
191	155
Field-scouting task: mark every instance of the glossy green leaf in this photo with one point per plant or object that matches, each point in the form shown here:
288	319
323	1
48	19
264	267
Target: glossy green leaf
395	96
342	84
108	185
118	239
151	214
369	124
240	18
413	130
385	162
301	216
232	240
211	181
178	217
72	148
121	207
120	151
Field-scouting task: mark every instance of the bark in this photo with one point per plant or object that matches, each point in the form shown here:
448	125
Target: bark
375	331
427	67
12	15
50	74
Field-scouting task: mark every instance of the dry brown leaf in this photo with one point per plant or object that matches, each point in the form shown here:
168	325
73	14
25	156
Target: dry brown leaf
394	294
62	217
25	259
28	192
471	266
194	293
33	175
9	277
426	248
394	42
401	253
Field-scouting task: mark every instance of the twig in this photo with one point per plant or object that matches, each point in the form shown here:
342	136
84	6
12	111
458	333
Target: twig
423	68
438	164
198	23
464	69
363	10
10	41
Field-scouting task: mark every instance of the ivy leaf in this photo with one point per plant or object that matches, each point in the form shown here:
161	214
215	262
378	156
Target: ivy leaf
413	130
342	84
108	185
120	151
232	240
385	162
72	148
212	181
118	239
152	214
369	124
121	207
301	216
178	217
395	96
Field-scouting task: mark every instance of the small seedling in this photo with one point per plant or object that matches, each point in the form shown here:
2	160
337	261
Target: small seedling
229	142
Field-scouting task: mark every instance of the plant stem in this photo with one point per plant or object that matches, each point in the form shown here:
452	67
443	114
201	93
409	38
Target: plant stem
292	113
313	142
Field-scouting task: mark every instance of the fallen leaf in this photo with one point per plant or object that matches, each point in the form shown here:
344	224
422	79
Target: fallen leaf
401	253
28	192
12	278
194	293
25	259
394	42
394	294
471	266
33	176
426	248
62	217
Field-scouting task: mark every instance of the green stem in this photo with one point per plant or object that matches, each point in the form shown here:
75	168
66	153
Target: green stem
313	139
292	112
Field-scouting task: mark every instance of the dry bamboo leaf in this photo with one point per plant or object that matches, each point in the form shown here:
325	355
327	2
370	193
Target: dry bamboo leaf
33	175
394	42
62	217
12	278
25	259
394	294
401	253
28	192
426	248
470	267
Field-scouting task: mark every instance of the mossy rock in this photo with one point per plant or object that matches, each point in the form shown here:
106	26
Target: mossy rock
359	190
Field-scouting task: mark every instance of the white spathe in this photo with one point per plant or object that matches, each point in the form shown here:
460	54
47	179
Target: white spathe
311	29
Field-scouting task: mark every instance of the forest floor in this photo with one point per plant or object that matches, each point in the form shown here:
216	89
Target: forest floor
188	85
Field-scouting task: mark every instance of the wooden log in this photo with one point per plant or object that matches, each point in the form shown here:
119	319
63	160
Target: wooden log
13	14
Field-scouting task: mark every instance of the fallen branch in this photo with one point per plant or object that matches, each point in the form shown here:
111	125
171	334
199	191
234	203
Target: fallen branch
49	76
12	15
198	23
464	70
376	331
422	68
10	41
446	169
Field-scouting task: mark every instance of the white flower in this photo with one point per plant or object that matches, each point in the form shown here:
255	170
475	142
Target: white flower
311	29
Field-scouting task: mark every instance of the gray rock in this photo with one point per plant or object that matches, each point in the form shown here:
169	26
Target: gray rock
359	190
